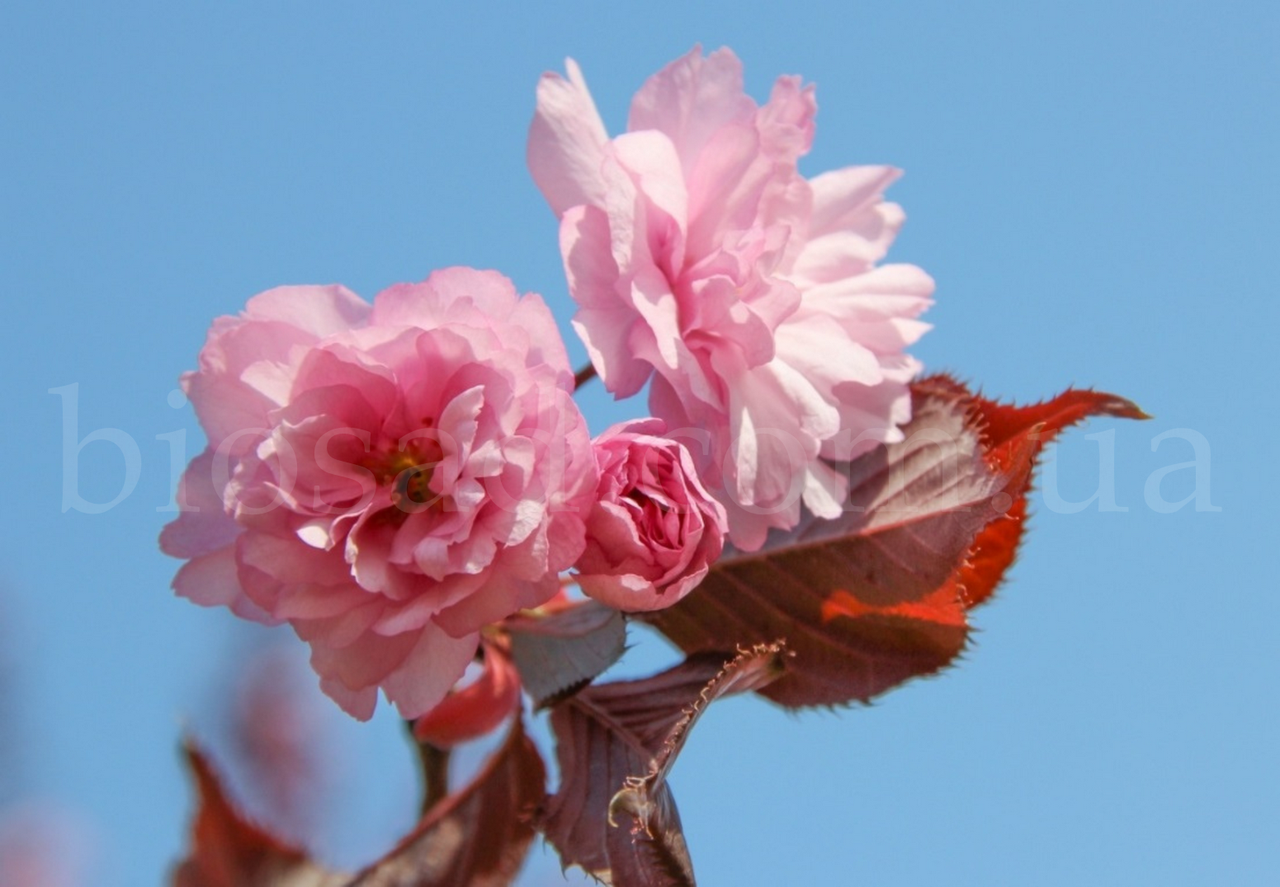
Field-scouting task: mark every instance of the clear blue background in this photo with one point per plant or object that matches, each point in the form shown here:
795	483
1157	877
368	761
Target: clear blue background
1094	186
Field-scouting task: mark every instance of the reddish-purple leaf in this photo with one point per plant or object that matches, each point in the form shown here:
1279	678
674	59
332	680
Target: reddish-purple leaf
1011	433
229	851
861	599
879	595
613	814
478	836
559	652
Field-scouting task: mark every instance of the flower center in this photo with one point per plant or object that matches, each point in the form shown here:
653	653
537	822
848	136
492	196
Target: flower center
408	471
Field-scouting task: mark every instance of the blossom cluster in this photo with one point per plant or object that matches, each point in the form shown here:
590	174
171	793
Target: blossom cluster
393	478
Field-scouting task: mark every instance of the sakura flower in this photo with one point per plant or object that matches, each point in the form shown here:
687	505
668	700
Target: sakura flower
749	296
386	478
654	530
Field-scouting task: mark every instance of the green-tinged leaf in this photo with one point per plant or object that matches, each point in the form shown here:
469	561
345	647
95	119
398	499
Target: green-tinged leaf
562	651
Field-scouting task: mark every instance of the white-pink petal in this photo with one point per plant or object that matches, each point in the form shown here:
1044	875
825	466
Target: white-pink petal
566	141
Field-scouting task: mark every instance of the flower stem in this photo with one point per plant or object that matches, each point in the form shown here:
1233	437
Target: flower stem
434	763
585	374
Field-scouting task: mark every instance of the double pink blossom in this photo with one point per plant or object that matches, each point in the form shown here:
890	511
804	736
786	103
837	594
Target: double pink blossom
386	478
748	296
654	530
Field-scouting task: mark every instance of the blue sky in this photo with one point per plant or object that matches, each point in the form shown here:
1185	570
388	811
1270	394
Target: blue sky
1093	186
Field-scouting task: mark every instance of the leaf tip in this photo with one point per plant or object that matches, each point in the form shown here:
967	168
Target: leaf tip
1121	408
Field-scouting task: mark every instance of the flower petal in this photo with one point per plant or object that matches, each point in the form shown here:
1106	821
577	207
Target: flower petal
566	142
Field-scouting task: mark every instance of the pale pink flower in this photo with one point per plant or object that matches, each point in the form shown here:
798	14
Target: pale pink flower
703	261
43	844
654	530
386	478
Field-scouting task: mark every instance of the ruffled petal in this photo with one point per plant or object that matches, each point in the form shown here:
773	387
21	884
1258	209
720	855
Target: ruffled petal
567	142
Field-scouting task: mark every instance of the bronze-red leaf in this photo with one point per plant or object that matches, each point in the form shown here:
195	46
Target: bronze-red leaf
613	814
879	595
1012	440
861	600
478	836
227	850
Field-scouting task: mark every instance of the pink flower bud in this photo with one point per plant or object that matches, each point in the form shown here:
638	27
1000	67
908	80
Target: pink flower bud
654	530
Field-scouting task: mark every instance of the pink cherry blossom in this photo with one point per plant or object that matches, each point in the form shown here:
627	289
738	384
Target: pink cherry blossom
386	478
654	530
749	296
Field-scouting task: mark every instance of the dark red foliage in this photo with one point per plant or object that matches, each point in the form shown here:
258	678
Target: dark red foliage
478	836
613	814
1010	435
879	595
229	851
